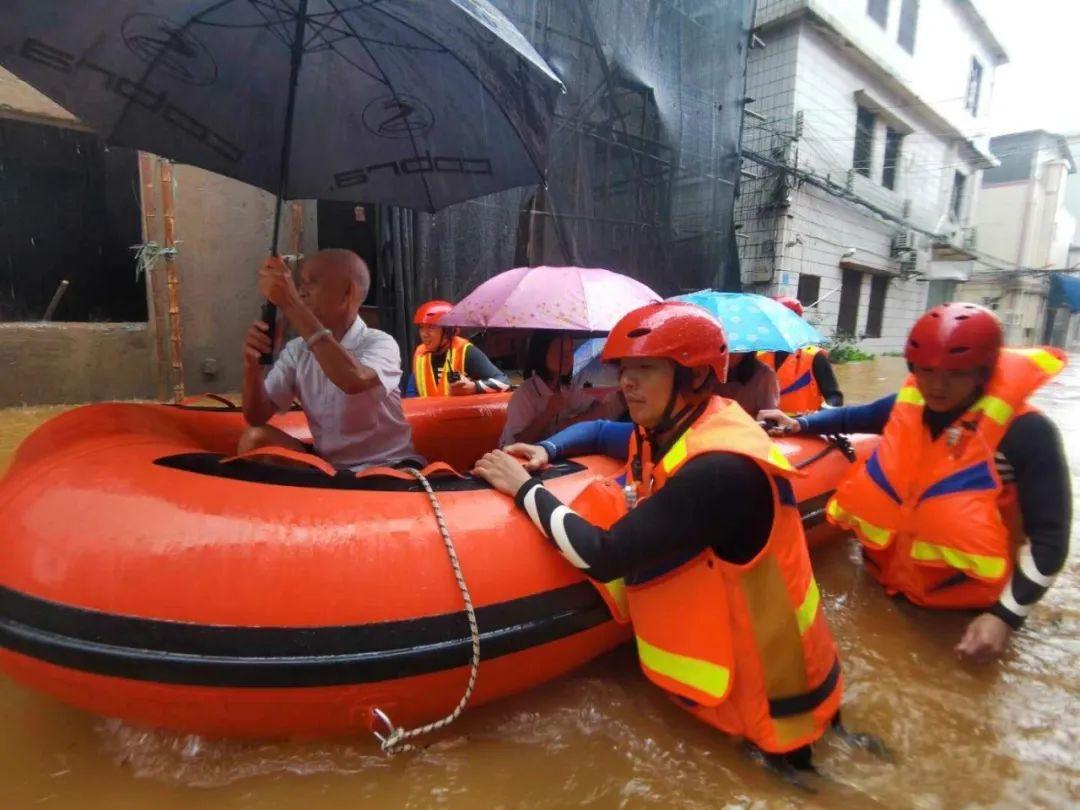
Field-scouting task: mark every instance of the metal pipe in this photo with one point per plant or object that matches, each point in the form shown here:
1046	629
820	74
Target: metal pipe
172	277
55	302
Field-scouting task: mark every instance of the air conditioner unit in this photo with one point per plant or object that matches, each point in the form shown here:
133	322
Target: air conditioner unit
904	242
969	238
909	263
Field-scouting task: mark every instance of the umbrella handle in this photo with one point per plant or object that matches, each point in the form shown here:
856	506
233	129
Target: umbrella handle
269	317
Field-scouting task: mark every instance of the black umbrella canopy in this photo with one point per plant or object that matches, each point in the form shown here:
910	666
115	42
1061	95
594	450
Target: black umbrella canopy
417	103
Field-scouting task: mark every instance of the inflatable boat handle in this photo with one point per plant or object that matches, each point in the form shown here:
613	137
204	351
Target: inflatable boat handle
307	459
189	401
433	470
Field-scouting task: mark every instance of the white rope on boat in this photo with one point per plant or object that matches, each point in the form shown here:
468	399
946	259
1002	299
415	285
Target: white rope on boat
394	740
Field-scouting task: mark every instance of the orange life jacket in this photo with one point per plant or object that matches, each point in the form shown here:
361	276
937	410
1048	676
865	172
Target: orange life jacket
799	391
424	374
936	523
745	647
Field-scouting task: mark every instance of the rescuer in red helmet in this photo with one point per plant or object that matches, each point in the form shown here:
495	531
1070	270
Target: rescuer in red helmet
966	503
710	519
446	364
805	376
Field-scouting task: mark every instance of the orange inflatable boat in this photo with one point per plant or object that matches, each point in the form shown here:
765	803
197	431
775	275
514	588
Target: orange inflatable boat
148	574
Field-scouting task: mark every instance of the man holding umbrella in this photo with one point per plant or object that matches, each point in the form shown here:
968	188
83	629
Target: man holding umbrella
345	374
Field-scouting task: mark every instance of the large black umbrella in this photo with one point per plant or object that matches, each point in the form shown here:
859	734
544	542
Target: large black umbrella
417	103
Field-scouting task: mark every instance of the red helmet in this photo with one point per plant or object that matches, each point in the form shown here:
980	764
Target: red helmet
430	313
683	333
792	303
954	336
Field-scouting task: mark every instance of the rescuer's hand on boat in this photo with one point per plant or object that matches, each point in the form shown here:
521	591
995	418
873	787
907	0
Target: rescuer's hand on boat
502	471
984	640
781	423
276	283
462	387
534	456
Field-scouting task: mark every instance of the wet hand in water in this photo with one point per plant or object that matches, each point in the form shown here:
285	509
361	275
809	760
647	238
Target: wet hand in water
256	343
534	456
777	422
276	282
462	387
984	640
502	471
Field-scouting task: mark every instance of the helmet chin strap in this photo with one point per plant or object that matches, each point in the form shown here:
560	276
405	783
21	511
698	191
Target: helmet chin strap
670	420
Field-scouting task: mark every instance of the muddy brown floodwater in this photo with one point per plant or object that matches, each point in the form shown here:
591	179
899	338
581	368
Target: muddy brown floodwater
1006	735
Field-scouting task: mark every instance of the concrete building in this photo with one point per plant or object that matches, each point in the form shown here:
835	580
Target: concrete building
1025	229
863	150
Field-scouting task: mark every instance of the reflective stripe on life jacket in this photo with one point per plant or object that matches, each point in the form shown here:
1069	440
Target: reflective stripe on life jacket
746	647
424	374
799	391
936	522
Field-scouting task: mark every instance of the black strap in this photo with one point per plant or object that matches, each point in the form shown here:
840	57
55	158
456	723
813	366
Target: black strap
807	701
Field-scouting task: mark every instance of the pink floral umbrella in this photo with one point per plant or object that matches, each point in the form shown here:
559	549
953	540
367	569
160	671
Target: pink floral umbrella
572	299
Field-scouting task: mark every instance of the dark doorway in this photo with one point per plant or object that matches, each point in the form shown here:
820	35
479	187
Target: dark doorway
69	210
351	226
809	289
850	286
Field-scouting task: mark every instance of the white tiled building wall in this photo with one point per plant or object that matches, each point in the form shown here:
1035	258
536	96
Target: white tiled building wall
806	66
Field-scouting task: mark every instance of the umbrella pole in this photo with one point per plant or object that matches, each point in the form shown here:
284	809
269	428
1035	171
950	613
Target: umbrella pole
269	311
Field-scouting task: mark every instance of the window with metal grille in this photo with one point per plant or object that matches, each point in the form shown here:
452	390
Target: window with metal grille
971	100
879	287
893	141
864	141
878	10
909	19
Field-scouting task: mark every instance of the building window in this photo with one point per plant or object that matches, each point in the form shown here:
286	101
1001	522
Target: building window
864	141
850	285
971	100
878	11
893	140
909	19
956	204
809	289
879	287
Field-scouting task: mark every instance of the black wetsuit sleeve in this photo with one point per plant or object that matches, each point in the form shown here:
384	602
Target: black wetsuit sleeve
487	376
721	500
868	418
1033	450
826	380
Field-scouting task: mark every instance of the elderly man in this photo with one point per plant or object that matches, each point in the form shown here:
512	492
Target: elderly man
345	374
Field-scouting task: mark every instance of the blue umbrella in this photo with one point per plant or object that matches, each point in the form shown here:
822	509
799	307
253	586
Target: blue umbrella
754	323
587	366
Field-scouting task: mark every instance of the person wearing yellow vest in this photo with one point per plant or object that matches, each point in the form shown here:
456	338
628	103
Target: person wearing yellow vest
447	365
806	376
966	502
717	578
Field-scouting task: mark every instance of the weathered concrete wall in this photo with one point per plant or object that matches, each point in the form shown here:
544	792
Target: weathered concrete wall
223	231
53	363
20	100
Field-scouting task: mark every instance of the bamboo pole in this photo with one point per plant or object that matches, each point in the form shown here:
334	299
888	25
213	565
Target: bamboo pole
172	275
149	212
296	229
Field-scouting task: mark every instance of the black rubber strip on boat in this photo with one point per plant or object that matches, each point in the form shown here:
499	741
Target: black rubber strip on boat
254	472
230	656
